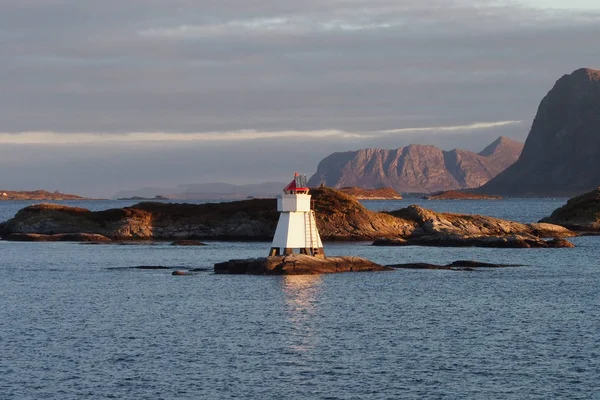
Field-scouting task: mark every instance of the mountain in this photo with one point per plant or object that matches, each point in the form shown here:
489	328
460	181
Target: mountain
217	190
562	151
416	168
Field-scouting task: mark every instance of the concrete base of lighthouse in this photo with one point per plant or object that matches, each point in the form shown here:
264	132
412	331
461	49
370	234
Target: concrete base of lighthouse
315	252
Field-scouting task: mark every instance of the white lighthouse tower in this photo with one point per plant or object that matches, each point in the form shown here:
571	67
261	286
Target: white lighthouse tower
297	227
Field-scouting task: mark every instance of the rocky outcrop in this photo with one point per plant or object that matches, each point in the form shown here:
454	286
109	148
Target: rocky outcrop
581	213
465	230
562	150
460	195
371	194
416	168
241	220
339	217
297	264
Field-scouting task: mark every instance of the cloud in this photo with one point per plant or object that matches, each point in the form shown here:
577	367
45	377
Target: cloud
55	138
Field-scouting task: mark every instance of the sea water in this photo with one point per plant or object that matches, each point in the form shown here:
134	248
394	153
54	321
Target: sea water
77	322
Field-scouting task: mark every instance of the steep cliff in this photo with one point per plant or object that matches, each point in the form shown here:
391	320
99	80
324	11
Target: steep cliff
416	168
562	150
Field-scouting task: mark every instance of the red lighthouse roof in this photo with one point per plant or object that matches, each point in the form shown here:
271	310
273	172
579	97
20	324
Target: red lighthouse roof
297	186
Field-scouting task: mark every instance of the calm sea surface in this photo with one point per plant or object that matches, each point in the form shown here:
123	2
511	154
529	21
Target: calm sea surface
77	323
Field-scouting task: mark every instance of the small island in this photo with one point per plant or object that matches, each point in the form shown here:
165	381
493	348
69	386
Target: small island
460	195
371	194
297	264
140	198
38	195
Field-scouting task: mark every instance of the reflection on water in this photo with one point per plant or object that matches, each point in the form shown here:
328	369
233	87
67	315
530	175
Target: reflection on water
301	303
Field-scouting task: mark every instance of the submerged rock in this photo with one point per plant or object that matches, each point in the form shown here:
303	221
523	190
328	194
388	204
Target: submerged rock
297	264
461	265
182	273
187	243
441	240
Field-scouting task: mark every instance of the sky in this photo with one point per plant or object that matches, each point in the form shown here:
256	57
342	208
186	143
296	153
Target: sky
97	97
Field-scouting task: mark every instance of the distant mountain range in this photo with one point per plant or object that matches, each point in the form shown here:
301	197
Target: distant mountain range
208	191
561	156
416	168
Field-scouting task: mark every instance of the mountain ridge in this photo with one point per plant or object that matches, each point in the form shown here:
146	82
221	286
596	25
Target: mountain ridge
416	168
561	151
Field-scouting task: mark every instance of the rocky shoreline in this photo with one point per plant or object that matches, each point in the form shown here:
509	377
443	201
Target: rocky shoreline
339	217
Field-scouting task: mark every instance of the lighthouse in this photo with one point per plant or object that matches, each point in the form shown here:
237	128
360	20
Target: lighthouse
297	227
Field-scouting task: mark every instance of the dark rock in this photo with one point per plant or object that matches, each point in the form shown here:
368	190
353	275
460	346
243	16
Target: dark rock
581	213
151	267
562	150
187	243
416	168
441	240
297	264
92	238
181	273
462	265
390	242
560	243
140	198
